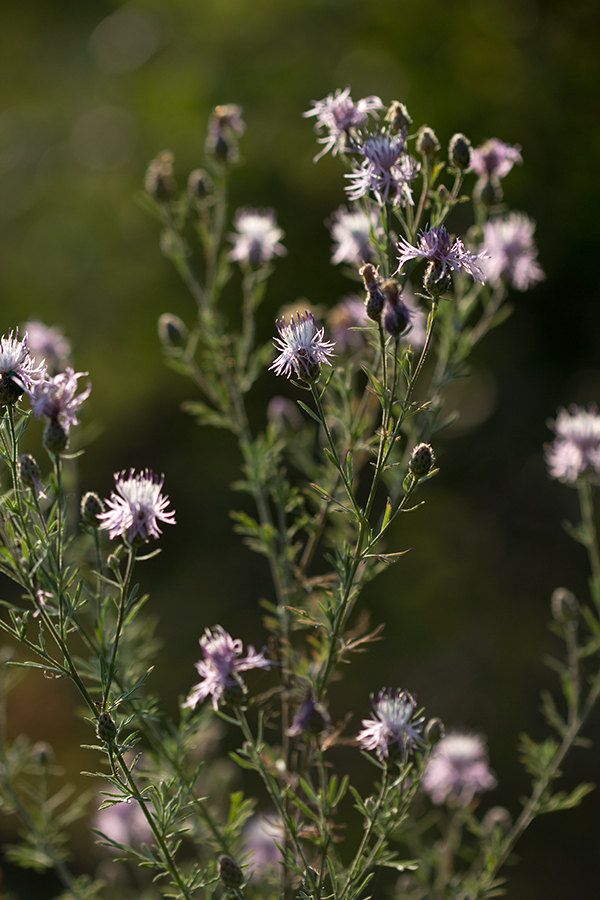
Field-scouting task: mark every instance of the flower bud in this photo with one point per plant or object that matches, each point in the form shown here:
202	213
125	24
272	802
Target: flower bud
375	296
43	753
397	315
91	507
398	117
172	331
55	437
230	873
159	181
10	391
434	731
488	191
496	817
459	151
421	460
106	728
565	608
311	717
200	184
29	471
427	142
437	280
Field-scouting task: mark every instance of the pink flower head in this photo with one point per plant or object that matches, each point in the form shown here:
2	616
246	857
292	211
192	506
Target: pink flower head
47	344
221	665
18	369
458	769
512	254
387	170
258	237
392	731
56	397
136	507
265	836
302	348
339	114
495	159
435	244
352	229
576	449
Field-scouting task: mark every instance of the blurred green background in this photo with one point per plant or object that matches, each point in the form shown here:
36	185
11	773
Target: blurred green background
92	91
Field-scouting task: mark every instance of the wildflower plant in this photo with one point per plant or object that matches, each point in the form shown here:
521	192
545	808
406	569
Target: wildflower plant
329	477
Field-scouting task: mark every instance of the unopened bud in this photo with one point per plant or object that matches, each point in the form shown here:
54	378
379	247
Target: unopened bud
91	508
496	817
398	117
488	191
564	605
10	391
106	728
421	460
459	151
43	752
397	315
29	471
427	142
200	184
375	296
230	873
159	181
55	437
172	331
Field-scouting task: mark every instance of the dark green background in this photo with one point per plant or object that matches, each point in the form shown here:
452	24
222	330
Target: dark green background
466	611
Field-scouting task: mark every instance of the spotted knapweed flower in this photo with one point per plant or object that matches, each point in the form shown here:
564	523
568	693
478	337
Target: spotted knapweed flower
512	254
302	348
575	452
123	822
458	769
221	666
56	398
436	245
18	369
386	170
494	158
47	344
339	115
225	126
136	507
352	231
343	322
264	837
257	240
392	731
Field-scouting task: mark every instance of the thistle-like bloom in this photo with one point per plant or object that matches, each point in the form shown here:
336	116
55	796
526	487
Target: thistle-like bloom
257	240
512	252
136	507
494	159
221	665
47	344
18	369
339	114
387	170
576	449
343	322
458	769
302	348
57	399
352	231
435	244
392	731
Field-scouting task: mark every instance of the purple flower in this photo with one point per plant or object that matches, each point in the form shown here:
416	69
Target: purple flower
47	344
435	244
311	717
302	348
221	665
136	507
386	170
352	229
339	114
512	252
257	240
458	769
264	837
56	398
576	449
346	316
18	369
391	731
494	159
